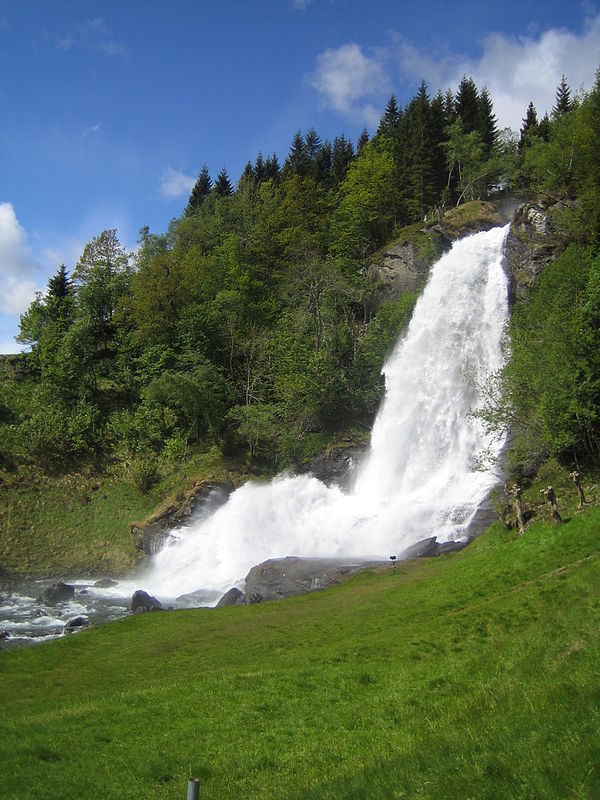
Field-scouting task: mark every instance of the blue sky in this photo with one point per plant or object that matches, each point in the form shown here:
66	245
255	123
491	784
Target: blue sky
110	109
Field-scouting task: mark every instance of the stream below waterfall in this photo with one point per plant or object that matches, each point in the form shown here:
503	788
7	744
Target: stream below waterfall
423	475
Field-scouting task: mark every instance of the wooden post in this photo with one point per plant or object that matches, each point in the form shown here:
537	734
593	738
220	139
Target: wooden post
193	789
517	492
575	476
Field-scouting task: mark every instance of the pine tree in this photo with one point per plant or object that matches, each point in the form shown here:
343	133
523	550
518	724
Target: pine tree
420	152
529	128
362	140
200	192
342	157
272	168
223	187
324	163
438	124
467	105
297	161
312	143
486	122
390	119
563	99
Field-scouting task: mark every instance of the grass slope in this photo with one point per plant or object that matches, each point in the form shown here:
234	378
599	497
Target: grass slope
474	675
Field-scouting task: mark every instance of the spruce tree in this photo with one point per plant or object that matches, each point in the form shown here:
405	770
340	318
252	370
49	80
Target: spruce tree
200	192
297	160
467	105
343	155
272	168
223	187
529	128
420	152
362	140
390	119
563	99
486	122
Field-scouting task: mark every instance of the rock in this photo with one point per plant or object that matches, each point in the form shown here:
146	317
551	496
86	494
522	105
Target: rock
402	270
531	243
232	598
142	601
75	624
444	548
202	500
337	466
4	635
285	577
105	583
83	591
56	593
423	549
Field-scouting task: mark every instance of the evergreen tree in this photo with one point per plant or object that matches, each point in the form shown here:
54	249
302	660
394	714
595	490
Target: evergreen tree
324	162
390	119
563	102
272	168
343	155
467	105
297	161
530	126
362	141
259	169
438	123
312	143
486	122
200	191
223	187
544	128
420	153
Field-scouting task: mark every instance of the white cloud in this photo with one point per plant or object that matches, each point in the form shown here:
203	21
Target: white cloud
516	71
93	35
175	184
301	5
17	267
349	81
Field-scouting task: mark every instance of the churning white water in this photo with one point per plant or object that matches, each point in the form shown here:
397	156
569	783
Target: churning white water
421	476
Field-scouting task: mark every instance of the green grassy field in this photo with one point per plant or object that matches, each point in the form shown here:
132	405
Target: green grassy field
475	675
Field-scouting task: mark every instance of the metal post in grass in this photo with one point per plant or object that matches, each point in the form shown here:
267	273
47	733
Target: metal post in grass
393	560
193	792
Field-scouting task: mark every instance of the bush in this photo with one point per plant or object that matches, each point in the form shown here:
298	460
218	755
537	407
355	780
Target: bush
144	472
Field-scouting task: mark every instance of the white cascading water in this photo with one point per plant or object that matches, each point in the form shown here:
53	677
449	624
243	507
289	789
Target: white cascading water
421	478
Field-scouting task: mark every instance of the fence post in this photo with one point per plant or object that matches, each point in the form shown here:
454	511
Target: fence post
193	790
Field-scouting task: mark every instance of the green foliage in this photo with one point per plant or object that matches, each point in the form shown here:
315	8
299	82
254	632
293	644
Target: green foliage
144	471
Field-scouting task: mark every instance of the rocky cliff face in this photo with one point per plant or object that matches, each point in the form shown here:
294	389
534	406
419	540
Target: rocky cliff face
404	265
533	241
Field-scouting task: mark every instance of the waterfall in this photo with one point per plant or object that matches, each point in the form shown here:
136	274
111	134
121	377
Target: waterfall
421	476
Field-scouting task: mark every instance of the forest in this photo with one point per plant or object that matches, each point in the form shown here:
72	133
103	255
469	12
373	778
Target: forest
257	322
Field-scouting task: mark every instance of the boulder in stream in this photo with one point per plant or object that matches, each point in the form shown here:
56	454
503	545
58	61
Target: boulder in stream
56	593
142	601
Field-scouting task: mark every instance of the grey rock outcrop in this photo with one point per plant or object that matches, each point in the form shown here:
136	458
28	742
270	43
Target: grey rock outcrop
533	240
234	597
203	499
402	269
286	577
337	466
142	602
